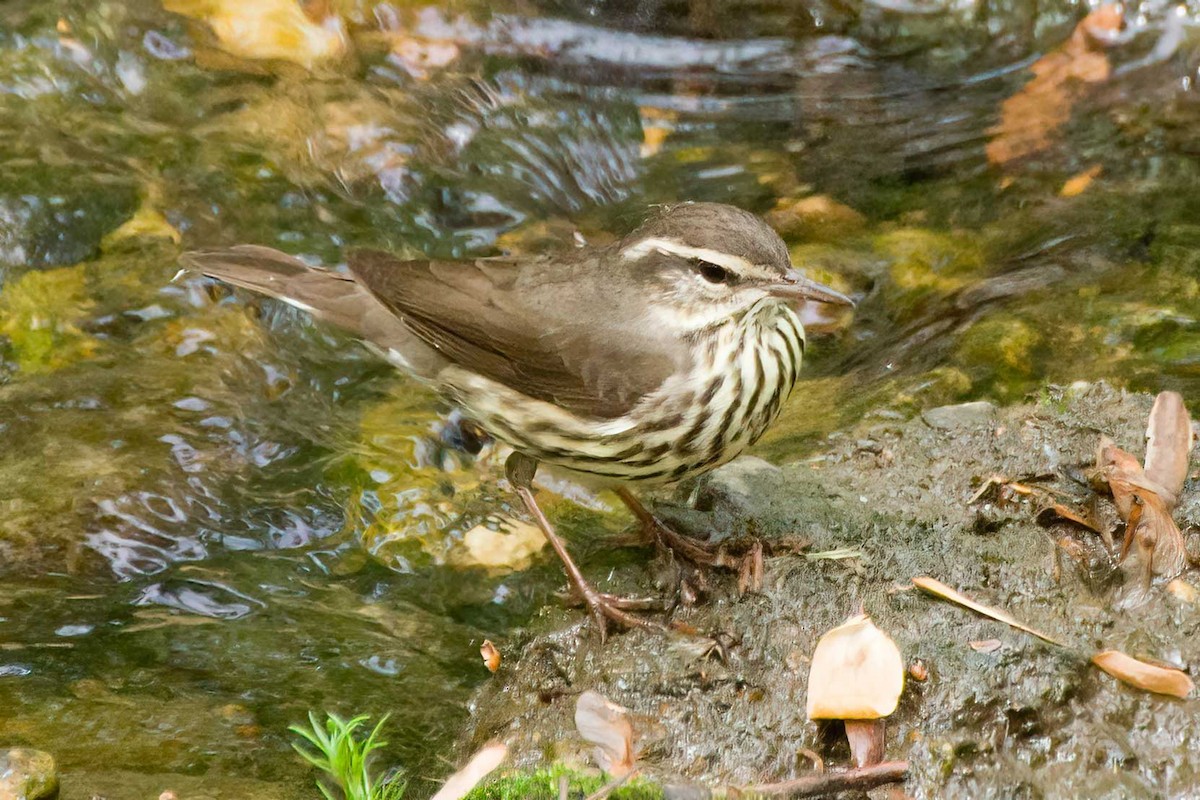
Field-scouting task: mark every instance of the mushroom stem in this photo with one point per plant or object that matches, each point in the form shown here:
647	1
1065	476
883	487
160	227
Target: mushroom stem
866	737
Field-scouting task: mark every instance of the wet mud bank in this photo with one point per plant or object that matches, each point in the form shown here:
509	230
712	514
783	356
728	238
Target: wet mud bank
1000	713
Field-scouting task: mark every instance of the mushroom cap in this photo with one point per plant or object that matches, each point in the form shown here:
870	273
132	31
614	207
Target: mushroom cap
856	673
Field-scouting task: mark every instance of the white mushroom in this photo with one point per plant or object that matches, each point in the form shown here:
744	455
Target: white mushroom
857	675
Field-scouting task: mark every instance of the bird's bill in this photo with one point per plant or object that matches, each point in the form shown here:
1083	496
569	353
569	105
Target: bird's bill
794	286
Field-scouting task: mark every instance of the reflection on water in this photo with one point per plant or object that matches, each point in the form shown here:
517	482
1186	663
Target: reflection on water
192	480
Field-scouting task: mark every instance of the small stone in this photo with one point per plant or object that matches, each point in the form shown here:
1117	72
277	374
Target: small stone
738	478
963	415
27	775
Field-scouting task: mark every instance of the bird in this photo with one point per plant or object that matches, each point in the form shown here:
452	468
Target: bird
650	360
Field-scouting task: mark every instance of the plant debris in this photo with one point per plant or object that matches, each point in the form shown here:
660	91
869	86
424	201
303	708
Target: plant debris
1152	678
481	765
834	781
1146	496
939	589
606	725
490	654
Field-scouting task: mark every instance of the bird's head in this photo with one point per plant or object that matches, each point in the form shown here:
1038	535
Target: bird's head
708	261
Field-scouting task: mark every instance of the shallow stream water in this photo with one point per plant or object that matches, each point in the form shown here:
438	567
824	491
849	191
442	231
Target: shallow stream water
216	514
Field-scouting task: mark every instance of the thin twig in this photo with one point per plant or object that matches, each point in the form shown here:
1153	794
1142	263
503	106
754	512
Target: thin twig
860	778
612	786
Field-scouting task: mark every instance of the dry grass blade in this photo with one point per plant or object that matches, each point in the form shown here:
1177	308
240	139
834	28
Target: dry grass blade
606	725
479	767
1139	674
1168	445
939	589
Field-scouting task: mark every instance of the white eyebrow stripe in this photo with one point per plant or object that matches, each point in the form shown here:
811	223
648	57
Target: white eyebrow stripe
676	248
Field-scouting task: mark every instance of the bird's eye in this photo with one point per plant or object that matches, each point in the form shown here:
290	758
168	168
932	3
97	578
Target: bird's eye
713	273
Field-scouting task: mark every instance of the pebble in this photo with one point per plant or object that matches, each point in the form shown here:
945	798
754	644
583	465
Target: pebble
963	415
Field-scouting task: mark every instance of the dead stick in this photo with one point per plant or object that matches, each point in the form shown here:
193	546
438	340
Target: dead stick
860	778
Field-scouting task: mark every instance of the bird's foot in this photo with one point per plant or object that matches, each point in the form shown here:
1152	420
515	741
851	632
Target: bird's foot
604	608
745	556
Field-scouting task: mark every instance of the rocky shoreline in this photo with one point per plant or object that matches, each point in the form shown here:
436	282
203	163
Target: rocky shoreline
1017	718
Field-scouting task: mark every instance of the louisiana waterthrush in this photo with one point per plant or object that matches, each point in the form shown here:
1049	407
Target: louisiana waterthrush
656	358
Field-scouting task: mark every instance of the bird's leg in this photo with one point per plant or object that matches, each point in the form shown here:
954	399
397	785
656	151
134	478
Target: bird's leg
520	470
749	566
664	537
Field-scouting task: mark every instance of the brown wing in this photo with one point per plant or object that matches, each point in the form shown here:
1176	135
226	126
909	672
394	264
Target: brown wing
526	330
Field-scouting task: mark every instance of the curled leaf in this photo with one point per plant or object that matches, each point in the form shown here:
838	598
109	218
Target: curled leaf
606	725
1168	445
939	589
490	654
1139	674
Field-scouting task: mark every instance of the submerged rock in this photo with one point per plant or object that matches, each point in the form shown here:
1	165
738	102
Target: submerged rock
27	775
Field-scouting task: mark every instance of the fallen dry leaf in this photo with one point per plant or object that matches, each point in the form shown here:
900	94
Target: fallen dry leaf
986	645
1168	445
1139	674
490	654
1031	118
1161	547
939	589
1079	183
606	725
461	783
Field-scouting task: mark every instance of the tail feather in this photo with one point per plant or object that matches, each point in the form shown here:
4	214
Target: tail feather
333	297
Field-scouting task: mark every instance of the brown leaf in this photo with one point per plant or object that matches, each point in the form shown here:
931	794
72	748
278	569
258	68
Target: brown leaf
1168	445
461	783
1031	118
1055	512
606	725
986	645
491	655
1139	674
1161	547
939	589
